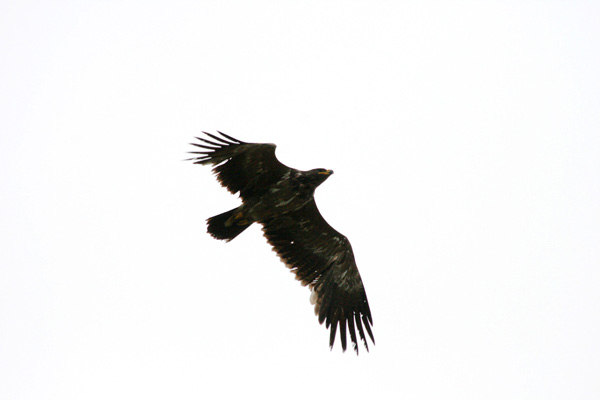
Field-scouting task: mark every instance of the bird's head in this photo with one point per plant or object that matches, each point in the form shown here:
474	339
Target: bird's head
318	176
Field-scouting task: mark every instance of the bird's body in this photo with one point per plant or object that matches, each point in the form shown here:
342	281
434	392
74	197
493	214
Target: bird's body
281	199
289	193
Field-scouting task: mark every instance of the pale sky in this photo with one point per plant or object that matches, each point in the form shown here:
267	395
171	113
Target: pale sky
465	139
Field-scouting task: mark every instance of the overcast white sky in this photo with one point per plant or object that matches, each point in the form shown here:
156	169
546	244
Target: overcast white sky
465	137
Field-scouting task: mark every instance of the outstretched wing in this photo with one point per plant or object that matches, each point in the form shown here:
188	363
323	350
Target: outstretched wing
240	167
322	258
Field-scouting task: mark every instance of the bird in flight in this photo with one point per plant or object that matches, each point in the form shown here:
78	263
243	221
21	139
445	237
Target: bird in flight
281	199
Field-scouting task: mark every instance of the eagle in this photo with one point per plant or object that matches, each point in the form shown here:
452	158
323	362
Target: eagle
281	199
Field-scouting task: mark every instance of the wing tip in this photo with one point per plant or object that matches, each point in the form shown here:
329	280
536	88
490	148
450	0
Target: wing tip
354	322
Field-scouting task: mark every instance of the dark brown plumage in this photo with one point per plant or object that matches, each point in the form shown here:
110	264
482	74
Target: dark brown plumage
281	200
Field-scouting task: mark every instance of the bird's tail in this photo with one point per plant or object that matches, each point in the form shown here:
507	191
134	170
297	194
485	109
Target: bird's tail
228	225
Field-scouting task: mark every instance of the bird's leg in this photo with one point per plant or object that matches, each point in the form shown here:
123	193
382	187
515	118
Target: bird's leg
238	218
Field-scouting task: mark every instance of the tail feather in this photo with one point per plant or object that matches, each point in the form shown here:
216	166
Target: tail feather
224	227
